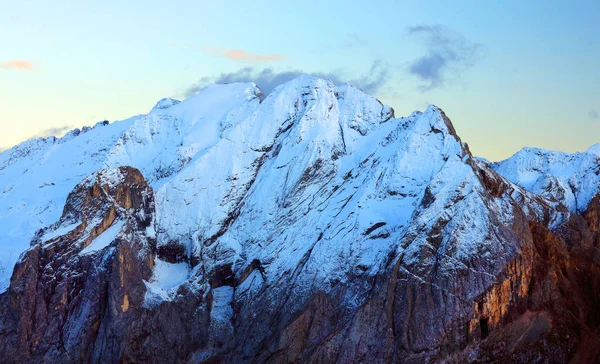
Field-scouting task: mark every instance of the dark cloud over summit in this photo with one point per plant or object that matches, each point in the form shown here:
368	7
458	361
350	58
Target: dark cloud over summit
447	55
267	79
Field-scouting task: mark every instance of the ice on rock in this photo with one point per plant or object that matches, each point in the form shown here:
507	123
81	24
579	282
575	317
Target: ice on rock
60	231
166	278
104	239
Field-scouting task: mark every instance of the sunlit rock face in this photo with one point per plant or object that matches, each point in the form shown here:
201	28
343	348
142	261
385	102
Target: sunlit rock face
309	226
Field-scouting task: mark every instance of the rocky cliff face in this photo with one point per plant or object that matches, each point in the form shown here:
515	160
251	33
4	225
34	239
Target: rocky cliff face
311	226
73	290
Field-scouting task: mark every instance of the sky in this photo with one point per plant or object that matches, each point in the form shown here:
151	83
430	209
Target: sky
509	74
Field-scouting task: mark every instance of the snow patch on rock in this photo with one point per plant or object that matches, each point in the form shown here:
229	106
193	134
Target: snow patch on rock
105	239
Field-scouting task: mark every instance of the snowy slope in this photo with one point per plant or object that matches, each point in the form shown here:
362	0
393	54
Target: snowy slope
302	113
572	179
203	152
35	179
594	149
357	204
36	176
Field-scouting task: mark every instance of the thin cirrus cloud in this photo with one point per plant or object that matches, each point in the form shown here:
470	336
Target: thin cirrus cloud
233	54
371	82
242	55
190	45
55	131
447	55
17	64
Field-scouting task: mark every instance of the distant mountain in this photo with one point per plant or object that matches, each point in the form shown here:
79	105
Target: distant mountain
571	179
309	226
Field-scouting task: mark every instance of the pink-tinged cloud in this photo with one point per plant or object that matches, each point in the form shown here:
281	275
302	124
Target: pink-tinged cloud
242	55
17	65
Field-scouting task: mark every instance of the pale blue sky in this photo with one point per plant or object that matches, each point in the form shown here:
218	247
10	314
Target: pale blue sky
508	73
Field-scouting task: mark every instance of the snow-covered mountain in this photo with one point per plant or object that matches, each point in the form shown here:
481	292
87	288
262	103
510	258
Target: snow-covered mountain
312	226
573	179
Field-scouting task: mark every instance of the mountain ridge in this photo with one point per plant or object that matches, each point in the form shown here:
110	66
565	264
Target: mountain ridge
405	227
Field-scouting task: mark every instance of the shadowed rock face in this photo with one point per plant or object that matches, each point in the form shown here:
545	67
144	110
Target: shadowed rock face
337	234
556	314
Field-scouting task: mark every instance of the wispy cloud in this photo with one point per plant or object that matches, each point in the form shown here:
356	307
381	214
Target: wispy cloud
350	43
189	45
233	54
267	79
593	114
17	64
447	55
56	131
354	40
242	55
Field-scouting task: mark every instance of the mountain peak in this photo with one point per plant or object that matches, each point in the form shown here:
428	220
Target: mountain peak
572	179
165	103
594	149
439	120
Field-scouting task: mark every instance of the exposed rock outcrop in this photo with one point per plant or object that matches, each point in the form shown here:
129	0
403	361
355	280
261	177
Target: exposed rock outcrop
72	294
